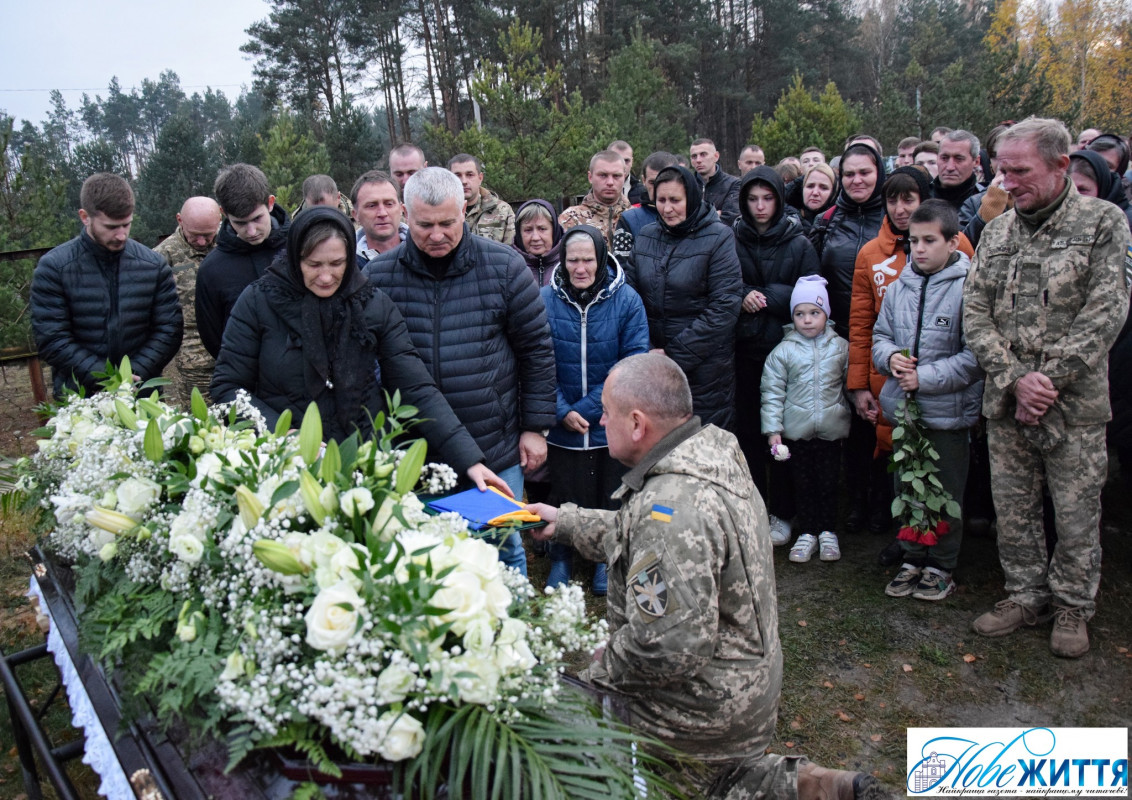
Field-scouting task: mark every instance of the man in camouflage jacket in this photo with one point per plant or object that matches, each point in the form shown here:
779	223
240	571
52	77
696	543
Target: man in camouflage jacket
485	212
1044	303
604	204
693	646
194	239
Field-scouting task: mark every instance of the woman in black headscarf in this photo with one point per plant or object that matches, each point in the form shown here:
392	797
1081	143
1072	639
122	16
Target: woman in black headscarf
313	328
685	268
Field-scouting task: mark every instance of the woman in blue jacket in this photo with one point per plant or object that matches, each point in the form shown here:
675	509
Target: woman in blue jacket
596	319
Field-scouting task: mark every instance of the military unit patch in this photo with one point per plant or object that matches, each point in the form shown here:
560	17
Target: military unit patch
650	590
662	513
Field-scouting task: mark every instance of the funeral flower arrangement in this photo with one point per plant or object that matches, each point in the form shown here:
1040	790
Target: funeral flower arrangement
265	588
921	501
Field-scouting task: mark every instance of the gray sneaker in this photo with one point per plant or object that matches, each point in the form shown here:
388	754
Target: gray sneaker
1070	636
779	531
1008	617
935	584
905	581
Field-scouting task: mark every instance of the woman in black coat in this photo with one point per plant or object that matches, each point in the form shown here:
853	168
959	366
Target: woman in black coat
686	271
314	329
773	253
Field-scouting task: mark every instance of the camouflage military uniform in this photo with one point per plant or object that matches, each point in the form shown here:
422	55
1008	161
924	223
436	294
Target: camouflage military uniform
344	205
692	610
192	366
591	212
491	217
1050	300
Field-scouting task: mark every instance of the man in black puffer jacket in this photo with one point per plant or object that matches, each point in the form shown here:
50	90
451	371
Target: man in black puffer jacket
253	232
102	296
475	315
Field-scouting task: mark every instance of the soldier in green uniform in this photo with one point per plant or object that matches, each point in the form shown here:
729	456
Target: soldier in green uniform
183	250
692	610
1044	303
604	204
484	211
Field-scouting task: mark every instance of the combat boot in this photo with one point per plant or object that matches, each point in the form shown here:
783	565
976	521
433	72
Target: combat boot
820	783
1070	636
1008	617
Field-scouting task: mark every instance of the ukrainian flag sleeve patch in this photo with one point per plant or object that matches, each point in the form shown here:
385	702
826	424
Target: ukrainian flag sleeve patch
662	513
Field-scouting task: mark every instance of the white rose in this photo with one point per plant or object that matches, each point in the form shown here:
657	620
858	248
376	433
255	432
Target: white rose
108	551
135	495
512	651
185	524
477	556
329	625
479	636
328	497
320	548
497	598
385	523
82	429
345	562
412	542
463	596
403	739
476	678
356	502
186	547
394	683
208	466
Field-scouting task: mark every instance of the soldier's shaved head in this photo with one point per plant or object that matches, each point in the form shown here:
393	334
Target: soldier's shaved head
199	220
653	383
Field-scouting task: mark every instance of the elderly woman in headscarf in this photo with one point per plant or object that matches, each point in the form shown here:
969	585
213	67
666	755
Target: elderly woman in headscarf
538	238
313	328
686	270
596	320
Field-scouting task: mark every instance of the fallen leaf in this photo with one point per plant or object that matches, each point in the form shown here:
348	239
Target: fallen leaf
882	705
790	744
867	666
969	658
841	715
841	643
875	737
1119	649
907	667
949	675
802	623
796	725
827	685
858	696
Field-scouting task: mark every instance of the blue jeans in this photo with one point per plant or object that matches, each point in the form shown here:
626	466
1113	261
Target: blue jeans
511	552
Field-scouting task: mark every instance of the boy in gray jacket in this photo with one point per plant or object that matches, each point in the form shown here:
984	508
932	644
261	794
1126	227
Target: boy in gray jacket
922	314
804	406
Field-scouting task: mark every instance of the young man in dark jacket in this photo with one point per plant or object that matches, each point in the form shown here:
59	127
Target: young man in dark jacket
720	189
476	318
102	296
253	232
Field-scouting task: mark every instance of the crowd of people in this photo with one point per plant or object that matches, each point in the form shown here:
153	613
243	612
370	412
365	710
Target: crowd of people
762	328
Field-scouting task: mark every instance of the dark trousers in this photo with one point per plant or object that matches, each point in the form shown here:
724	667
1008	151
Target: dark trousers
585	477
814	464
772	478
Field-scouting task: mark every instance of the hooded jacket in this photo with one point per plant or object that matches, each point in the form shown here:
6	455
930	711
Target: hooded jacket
924	314
228	270
803	387
481	330
542	267
850	227
689	279
771	263
1109	185
90	305
286	347
590	337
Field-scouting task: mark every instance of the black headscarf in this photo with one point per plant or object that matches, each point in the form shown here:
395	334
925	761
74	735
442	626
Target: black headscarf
698	210
338	348
769	176
601	250
874	199
1108	182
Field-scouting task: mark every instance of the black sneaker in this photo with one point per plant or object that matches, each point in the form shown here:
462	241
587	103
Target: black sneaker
892	554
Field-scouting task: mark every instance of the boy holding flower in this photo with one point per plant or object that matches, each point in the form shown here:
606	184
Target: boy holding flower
918	343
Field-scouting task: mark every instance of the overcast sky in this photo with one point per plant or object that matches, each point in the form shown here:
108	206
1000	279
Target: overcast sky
79	46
